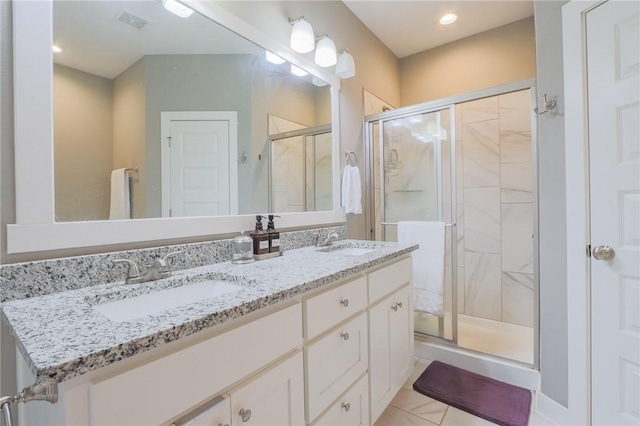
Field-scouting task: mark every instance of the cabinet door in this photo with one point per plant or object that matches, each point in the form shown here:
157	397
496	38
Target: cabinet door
390	348
275	398
401	337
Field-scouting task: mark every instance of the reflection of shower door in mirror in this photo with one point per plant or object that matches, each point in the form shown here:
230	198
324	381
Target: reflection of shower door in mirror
199	166
413	175
301	170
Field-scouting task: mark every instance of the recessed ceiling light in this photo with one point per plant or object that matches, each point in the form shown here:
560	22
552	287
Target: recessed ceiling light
56	49
449	18
177	9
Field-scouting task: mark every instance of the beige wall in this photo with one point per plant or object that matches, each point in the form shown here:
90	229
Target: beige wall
82	144
492	58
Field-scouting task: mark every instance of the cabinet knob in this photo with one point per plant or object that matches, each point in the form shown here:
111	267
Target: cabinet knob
220	424
399	304
344	302
245	414
395	307
346	406
344	335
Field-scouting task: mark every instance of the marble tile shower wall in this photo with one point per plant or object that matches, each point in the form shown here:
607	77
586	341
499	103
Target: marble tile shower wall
495	208
32	279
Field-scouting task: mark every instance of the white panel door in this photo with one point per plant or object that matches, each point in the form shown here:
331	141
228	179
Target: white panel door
199	168
613	66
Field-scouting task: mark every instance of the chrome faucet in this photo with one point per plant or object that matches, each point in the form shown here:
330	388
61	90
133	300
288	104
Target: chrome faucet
331	237
157	270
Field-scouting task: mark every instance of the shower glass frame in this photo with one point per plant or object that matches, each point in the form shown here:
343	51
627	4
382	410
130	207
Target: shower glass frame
377	119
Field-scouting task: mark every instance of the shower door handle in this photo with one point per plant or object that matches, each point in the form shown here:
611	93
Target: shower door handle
604	252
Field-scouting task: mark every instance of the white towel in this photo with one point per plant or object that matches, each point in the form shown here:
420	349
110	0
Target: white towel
428	264
120	199
351	190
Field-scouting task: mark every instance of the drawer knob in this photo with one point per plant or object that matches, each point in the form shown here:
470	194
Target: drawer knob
395	307
220	424
399	304
245	414
346	406
344	335
344	302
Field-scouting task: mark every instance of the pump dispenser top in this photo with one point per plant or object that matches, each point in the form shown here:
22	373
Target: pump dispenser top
274	235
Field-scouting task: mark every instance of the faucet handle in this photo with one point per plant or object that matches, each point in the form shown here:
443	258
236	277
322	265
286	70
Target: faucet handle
133	271
163	261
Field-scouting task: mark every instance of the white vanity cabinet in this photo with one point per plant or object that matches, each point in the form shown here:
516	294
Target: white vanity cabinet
333	356
390	334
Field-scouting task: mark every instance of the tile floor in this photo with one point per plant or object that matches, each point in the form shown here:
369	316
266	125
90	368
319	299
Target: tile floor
411	408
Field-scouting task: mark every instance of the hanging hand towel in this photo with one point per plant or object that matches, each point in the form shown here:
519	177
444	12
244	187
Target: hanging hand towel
351	190
428	264
120	201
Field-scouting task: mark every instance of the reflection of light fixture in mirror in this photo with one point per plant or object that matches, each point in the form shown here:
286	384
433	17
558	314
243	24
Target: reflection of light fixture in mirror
273	58
318	82
303	39
56	49
298	71
449	18
345	67
325	52
177	9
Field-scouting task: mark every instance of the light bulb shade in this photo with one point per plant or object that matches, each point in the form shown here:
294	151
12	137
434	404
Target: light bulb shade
346	66
298	71
318	82
303	39
273	58
177	9
325	52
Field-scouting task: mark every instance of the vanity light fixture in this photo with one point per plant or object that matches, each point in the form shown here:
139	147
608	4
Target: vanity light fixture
298	71
302	39
325	52
273	58
449	18
345	66
177	8
56	49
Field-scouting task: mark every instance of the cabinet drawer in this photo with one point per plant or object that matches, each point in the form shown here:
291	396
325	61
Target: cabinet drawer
195	374
330	308
386	280
351	409
334	362
217	412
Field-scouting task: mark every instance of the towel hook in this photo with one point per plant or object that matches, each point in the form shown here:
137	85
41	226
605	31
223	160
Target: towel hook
548	105
348	154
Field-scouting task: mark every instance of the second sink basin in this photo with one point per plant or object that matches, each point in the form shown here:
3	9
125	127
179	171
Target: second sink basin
161	300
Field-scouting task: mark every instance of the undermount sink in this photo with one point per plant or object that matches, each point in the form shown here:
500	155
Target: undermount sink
161	300
347	250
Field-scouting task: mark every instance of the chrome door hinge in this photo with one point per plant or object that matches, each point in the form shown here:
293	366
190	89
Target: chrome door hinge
588	250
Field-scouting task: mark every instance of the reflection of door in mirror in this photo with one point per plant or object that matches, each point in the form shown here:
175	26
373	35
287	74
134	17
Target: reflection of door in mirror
301	167
199	166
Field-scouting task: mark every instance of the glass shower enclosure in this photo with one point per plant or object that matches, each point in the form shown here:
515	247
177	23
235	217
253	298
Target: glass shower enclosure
412	175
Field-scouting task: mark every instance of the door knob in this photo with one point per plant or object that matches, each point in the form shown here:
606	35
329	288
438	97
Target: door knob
604	252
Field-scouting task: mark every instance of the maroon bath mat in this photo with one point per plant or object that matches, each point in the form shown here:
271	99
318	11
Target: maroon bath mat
481	396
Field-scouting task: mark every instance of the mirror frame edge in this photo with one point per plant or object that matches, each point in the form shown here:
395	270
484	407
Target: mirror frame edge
34	187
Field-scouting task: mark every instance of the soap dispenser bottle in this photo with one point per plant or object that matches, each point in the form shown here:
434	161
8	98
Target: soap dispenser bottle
274	235
260	238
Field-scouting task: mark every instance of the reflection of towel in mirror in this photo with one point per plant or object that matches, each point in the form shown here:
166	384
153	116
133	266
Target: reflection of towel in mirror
120	201
351	190
428	264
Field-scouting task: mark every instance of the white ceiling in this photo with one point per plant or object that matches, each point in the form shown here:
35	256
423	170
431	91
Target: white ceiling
408	27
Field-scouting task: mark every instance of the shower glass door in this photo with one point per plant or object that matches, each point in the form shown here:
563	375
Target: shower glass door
413	175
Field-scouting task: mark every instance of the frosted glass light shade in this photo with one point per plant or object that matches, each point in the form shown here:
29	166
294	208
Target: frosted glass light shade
298	71
303	39
346	66
318	82
325	52
273	58
177	9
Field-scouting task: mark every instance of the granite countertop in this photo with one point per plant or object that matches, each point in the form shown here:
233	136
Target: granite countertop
61	336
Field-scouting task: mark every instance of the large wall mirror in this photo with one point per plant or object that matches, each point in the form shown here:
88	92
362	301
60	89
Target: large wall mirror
187	109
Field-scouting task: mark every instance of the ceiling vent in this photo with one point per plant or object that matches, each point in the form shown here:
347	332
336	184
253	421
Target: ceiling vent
127	18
